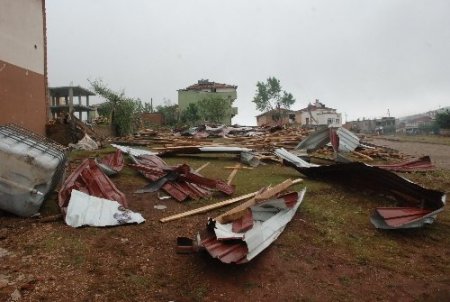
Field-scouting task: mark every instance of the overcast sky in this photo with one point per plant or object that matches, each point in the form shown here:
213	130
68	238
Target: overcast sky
360	57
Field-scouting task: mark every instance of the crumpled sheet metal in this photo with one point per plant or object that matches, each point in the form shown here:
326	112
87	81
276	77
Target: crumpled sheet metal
348	141
268	220
112	163
341	139
402	217
89	179
87	210
133	151
416	165
30	168
207	149
366	177
298	162
315	140
187	184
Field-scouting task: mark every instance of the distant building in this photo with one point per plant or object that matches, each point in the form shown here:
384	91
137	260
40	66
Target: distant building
384	125
74	99
415	125
318	114
205	89
23	64
276	117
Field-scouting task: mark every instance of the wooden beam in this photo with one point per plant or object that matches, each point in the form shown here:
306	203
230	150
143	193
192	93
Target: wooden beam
233	173
238	211
220	204
208	207
202	167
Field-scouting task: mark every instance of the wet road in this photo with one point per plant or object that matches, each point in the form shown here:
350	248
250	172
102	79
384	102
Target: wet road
440	154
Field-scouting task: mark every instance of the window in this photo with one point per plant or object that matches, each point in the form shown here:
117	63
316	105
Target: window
330	121
291	118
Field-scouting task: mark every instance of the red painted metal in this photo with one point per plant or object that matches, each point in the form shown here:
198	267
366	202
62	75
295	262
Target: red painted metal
89	179
420	164
244	223
227	251
397	216
188	184
115	160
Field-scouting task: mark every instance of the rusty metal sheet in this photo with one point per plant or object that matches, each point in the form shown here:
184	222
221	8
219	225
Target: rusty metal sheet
416	165
89	179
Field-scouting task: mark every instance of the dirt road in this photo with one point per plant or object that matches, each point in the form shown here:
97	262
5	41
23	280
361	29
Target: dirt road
440	154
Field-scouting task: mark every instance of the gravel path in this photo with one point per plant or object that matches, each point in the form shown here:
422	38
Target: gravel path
440	154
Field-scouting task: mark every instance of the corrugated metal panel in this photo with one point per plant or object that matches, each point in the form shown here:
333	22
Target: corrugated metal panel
403	218
187	184
31	166
89	179
421	164
112	163
347	140
315	140
286	155
270	217
133	151
363	176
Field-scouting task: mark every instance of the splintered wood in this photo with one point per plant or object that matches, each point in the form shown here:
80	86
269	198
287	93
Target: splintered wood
264	194
260	139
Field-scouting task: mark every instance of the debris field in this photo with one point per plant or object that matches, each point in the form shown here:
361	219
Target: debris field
221	213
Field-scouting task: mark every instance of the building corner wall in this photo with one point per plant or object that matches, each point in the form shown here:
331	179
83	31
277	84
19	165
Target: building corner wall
23	66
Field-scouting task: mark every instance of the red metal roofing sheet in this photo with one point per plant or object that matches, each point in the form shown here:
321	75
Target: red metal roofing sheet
89	179
395	217
244	223
188	184
420	164
115	160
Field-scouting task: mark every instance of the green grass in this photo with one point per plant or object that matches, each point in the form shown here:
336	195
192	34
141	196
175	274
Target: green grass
337	220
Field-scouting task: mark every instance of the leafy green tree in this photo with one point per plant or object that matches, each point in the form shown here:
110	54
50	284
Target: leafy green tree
122	110
191	115
170	113
143	107
214	109
269	96
443	119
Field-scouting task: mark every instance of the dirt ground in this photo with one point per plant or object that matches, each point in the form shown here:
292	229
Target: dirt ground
329	252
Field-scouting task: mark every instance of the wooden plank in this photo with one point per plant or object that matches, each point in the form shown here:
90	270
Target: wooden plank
218	204
233	173
238	211
208	207
202	167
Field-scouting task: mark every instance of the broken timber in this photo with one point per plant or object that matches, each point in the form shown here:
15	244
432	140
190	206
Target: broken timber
219	204
264	194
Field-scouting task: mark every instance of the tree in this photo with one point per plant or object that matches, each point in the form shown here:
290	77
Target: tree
443	119
214	109
122	110
170	113
269	96
191	115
